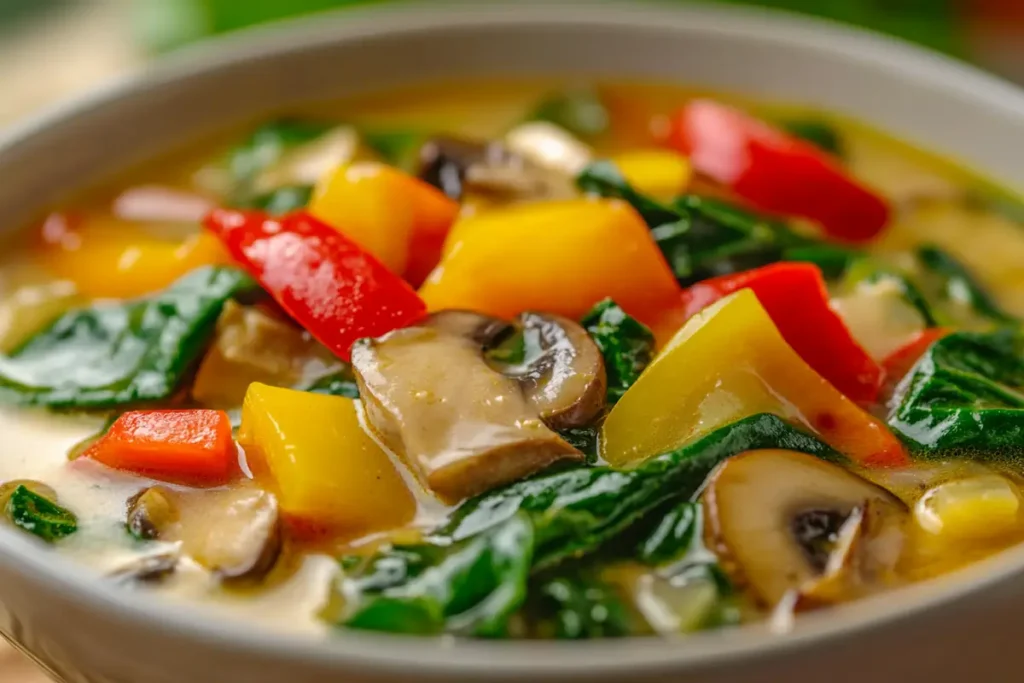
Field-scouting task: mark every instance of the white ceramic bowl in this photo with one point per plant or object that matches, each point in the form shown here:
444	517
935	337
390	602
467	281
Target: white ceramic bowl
963	627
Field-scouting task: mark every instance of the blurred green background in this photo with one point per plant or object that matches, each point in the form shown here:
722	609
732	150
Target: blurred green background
166	24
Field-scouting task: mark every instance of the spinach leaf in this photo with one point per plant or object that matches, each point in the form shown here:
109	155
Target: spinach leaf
965	395
268	143
468	588
280	201
626	344
39	515
579	111
675	534
822	135
109	355
583	439
577	511
399	148
471	574
834	260
577	605
703	237
954	283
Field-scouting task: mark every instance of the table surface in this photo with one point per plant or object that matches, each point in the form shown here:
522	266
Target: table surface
95	43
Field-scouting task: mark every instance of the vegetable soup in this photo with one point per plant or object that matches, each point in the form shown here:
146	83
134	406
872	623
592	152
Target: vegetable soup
521	360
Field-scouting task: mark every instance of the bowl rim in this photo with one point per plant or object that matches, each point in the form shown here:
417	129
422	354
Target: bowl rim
384	653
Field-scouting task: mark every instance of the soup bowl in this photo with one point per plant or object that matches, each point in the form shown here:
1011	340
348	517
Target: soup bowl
82	630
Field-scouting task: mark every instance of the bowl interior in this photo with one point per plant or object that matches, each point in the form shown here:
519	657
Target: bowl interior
923	98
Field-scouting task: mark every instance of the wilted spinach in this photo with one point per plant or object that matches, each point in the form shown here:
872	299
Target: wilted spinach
471	574
579	111
108	355
469	588
400	148
280	201
625	343
702	237
953	283
39	515
822	135
965	396
576	605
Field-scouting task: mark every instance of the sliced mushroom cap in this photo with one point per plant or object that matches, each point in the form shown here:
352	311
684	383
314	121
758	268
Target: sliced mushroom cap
564	376
481	329
459	166
782	520
151	513
148	568
235	533
549	145
460	425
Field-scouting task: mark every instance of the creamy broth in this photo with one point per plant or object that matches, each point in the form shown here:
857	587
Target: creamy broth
932	201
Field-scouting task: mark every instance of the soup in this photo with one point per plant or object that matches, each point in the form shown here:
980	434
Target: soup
521	360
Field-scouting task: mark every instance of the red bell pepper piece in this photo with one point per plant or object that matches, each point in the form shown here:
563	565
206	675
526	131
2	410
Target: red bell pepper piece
185	446
898	363
330	285
775	171
795	297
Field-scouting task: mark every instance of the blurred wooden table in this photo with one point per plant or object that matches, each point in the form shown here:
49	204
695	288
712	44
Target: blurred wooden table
43	60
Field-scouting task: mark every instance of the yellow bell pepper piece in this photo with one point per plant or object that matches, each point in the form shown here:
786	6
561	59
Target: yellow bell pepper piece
730	362
559	257
107	257
399	219
325	469
972	509
663	173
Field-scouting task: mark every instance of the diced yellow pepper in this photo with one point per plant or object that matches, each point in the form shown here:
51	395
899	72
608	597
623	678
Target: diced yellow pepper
107	257
325	469
663	173
399	219
559	257
973	509
729	362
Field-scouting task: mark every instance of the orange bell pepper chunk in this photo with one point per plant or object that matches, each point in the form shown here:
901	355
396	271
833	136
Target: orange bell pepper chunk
400	219
561	257
108	257
185	446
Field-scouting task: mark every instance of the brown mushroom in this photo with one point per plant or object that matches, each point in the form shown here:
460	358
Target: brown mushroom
151	513
563	375
147	568
459	424
787	523
480	328
459	166
235	533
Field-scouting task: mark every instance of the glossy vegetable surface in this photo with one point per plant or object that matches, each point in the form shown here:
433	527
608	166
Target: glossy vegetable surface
511	360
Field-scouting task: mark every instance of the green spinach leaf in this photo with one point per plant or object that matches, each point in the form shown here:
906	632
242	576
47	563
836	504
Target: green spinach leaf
702	237
282	200
578	605
39	515
577	511
954	284
583	439
400	148
579	111
965	396
110	355
626	344
468	588
268	143
822	135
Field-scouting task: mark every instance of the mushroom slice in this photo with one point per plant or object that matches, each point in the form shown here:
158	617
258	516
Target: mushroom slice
151	513
782	520
235	533
480	328
148	568
549	145
461	426
563	375
459	166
